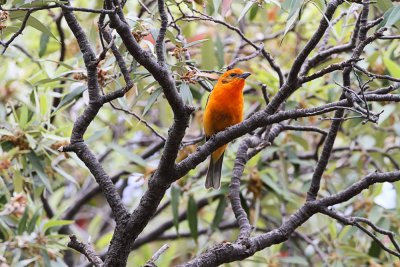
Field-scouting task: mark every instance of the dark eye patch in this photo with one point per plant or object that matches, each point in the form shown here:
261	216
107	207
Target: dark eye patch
233	75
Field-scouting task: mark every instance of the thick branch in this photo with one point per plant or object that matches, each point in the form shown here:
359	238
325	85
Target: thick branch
234	187
160	48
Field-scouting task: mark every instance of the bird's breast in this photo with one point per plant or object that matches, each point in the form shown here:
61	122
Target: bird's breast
223	110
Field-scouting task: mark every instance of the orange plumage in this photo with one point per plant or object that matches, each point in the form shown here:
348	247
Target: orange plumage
224	108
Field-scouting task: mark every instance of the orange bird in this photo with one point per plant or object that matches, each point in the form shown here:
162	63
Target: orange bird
224	108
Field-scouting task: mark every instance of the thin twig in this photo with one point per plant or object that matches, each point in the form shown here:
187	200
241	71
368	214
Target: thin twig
154	258
86	249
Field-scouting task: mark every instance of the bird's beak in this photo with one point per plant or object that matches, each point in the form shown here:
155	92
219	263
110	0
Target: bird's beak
244	75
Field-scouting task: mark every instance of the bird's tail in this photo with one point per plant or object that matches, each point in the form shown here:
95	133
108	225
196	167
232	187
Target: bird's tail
213	178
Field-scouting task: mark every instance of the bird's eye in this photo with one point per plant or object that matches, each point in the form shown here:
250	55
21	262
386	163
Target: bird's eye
233	75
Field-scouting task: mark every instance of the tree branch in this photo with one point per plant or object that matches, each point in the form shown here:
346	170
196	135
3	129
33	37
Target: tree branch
355	221
85	249
161	34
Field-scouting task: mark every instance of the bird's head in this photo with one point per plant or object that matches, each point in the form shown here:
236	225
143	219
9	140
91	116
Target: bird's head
234	77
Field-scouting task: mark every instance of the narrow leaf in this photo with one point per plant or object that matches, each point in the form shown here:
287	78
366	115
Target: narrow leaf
217	4
38	167
195	43
253	12
393	67
71	96
294	260
219	51
152	99
24	116
192	217
391	17
35	23
384	5
56	223
293	8
22	222
246	8
219	213
33	221
44	41
244	205
186	94
175	195
129	155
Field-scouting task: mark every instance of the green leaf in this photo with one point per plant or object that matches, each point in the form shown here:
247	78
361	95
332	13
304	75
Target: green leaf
347	231
384	5
23	117
51	80
387	112
195	43
300	140
276	188
276	2
243	202
192	217
71	96
43	104
293	8
93	228
97	135
66	175
33	221
375	214
186	94
217	4
393	67
104	241
219	213
129	155
26	262
56	223
332	230
44	41
246	8
9	30
172	38
38	167
46	258
208	60
22	222
210	7
33	22
5	230
375	249
18	181
219	51
152	99
175	195
294	260
391	17
7	146
253	12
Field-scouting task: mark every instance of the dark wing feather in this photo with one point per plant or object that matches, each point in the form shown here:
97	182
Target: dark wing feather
213	178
